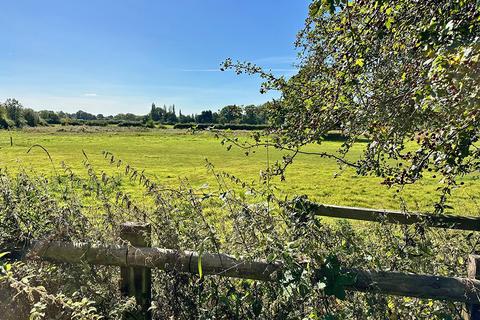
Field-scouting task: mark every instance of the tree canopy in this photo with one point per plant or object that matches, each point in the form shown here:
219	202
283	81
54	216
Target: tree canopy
404	74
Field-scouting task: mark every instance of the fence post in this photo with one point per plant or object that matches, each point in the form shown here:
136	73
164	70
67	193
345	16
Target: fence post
137	281
473	310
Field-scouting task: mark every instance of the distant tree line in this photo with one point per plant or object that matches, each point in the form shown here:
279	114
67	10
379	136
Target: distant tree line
232	114
13	114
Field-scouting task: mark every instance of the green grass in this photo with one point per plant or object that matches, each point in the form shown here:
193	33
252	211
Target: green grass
168	155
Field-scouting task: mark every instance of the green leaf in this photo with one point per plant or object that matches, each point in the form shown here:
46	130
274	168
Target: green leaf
389	22
359	62
3	254
315	8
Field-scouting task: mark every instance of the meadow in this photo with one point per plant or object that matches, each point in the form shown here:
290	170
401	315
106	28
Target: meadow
171	157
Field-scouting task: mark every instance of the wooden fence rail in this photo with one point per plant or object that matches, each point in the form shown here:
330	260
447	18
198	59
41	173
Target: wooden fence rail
395	217
465	290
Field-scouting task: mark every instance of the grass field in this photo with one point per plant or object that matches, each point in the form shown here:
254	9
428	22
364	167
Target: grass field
169	155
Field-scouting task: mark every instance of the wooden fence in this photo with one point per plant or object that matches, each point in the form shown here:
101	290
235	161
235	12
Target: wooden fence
137	259
396	217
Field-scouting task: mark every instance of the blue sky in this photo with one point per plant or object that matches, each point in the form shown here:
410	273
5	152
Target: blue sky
112	56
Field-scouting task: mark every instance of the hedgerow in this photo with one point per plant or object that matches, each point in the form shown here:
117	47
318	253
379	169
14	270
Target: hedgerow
231	126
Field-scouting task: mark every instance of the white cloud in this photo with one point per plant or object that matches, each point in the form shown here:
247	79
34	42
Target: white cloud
90	95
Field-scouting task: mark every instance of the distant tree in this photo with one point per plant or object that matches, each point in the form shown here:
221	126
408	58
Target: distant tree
262	112
215	117
5	121
14	112
157	114
62	115
230	114
50	117
170	116
131	117
185	118
82	115
250	115
31	117
205	116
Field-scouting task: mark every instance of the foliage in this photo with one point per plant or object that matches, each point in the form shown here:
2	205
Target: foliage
150	123
31	117
393	71
230	114
14	112
205	116
162	114
5	266
131	124
232	217
5	121
82	115
51	117
254	115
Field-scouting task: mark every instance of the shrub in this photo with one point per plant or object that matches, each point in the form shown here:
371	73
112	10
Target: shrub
96	123
71	122
150	123
131	124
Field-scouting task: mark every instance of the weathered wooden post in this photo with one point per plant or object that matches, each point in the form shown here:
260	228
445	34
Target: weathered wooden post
137	281
473	310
